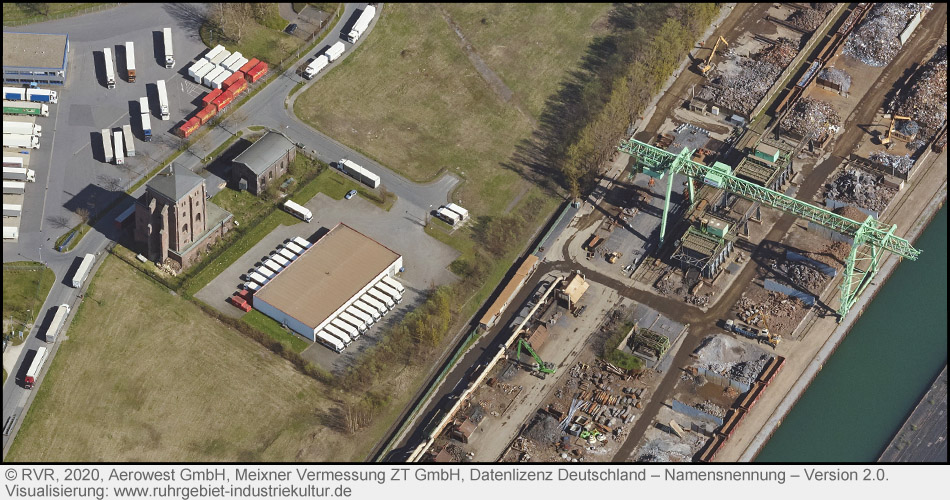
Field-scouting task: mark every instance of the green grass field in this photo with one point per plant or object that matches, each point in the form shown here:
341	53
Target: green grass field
267	325
146	376
423	108
15	13
25	287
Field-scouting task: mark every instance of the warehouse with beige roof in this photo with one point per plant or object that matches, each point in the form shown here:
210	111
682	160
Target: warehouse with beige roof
343	271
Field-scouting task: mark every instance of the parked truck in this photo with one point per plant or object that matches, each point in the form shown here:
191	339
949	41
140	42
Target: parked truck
379	306
272	265
31	95
107	146
12	210
314	67
29	141
146	127
59	319
163	100
25	108
346	328
330	341
130	61
110	72
362	22
462	213
33	373
382	297
293	247
338	333
119	149
16	127
335	51
169	54
14	187
258	278
302	243
18	174
360	315
298	211
389	291
359	173
127	140
368	309
353	320
83	270
395	284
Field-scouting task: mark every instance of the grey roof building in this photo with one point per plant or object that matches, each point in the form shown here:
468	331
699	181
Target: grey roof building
263	162
35	58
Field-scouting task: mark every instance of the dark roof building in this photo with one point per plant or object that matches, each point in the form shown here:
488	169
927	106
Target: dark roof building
173	218
35	58
263	162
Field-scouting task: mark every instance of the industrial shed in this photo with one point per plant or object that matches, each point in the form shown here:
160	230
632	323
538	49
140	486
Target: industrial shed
35	58
263	162
326	279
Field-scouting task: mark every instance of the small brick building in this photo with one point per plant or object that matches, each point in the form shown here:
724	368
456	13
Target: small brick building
173	218
263	162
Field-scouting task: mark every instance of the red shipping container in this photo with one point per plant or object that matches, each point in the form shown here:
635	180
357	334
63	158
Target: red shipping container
248	65
231	80
238	87
206	114
223	100
189	127
258	71
240	303
210	96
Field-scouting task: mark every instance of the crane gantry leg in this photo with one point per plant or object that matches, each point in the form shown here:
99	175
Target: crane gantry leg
860	267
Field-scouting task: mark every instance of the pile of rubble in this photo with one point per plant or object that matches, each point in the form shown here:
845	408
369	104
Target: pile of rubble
837	76
544	430
862	189
741	91
806	19
747	371
926	100
823	7
697	300
775	305
711	408
811	118
806	277
902	163
876	40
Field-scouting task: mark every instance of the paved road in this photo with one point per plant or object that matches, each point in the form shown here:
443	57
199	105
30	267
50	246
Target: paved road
265	108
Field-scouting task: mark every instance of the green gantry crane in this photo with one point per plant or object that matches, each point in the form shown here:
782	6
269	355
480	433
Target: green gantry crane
871	237
542	366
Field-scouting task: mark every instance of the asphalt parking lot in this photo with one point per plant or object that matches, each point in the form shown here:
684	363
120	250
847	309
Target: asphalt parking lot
426	261
71	173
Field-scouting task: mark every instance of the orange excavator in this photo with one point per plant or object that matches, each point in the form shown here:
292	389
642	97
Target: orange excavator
890	130
708	64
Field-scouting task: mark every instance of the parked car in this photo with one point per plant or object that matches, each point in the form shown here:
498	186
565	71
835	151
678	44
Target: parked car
350	194
290	28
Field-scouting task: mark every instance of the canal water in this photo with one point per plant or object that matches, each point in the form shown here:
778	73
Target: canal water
874	380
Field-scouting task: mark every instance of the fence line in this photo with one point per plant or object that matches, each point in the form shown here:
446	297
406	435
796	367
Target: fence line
722	380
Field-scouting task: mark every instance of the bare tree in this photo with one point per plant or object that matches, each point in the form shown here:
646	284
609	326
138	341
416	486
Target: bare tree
83	214
109	182
58	221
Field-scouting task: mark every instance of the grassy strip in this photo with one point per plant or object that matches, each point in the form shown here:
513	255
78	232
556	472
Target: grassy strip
25	287
225	145
17	13
267	325
81	231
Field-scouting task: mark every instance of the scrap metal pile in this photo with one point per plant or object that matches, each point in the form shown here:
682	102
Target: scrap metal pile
876	40
861	188
807	19
742	91
747	371
926	100
836	76
902	163
811	118
803	276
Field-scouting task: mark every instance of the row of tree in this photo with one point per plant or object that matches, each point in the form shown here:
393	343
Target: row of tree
628	95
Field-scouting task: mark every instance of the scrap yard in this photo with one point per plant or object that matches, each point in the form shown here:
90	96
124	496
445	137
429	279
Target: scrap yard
728	243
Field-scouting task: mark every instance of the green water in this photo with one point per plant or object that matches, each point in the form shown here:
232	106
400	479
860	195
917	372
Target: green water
880	371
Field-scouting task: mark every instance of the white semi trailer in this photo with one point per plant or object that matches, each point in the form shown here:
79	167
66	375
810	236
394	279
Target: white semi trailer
110	69
59	319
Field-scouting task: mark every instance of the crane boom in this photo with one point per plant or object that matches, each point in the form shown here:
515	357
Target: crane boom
869	237
542	366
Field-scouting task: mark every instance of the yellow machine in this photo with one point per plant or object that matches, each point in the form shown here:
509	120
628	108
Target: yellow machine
766	336
708	64
890	130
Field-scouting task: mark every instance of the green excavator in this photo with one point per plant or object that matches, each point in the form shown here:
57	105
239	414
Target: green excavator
540	366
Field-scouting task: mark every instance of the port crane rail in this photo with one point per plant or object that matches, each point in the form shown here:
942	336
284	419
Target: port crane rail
871	237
